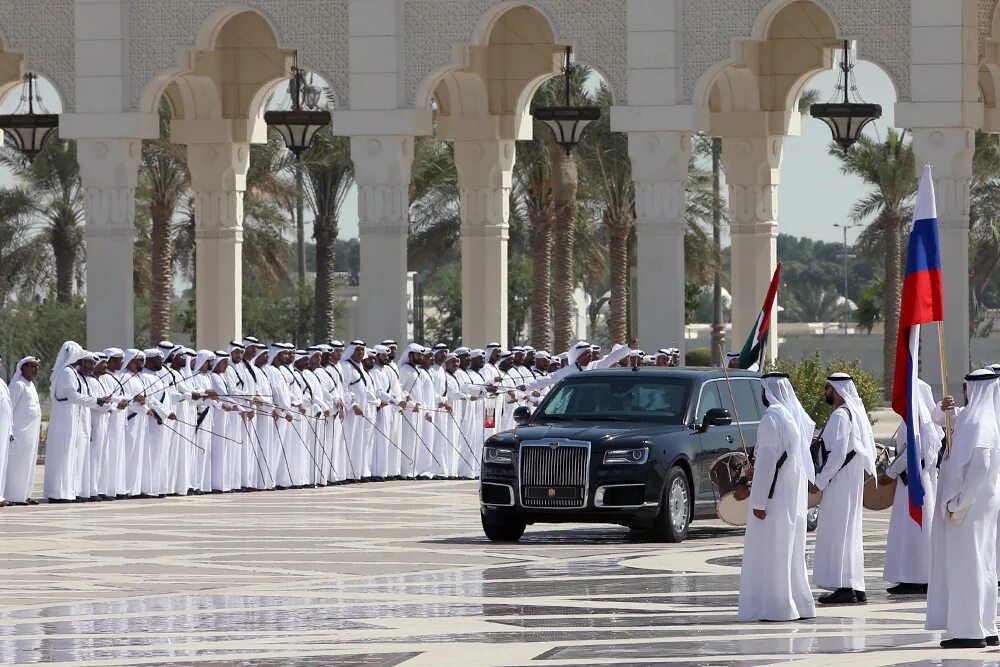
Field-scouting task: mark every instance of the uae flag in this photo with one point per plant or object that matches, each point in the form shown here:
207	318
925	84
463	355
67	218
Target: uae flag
752	355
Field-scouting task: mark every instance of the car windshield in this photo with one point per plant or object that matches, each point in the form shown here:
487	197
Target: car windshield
632	397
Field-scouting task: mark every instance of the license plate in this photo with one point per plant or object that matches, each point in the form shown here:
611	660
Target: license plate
553	492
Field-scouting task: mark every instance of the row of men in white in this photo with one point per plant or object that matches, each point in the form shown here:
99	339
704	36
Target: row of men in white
951	554
170	420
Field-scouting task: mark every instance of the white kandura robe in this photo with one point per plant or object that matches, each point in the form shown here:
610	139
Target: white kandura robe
134	449
278	430
412	393
97	453
774	585
839	557
6	425
333	426
908	544
158	433
26	427
66	430
962	591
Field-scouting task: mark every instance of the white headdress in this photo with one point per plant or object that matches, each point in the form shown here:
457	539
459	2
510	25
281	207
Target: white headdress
17	371
779	392
861	428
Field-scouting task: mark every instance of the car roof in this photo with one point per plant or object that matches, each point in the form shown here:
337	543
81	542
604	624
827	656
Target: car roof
687	372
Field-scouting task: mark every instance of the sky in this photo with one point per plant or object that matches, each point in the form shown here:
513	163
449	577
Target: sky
813	195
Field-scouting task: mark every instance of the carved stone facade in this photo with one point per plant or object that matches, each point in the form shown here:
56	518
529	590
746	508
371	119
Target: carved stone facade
987	10
882	28
43	31
159	30
597	30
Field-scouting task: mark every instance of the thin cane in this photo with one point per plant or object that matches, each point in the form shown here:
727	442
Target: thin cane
452	444
252	449
183	437
263	453
422	442
322	450
382	433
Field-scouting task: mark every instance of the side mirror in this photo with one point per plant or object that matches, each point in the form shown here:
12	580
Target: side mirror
521	415
716	417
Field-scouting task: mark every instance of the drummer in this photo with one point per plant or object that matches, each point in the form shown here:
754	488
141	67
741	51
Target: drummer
848	451
908	547
773	581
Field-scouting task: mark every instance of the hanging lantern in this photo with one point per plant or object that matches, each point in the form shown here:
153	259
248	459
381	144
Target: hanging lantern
27	132
567	122
846	119
298	126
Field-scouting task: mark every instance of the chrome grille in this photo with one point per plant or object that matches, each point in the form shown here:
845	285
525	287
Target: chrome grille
561	469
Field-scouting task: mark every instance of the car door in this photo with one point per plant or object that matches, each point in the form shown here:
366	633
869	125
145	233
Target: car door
747	403
714	442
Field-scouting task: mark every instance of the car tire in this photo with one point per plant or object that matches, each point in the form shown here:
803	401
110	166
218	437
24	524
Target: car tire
501	527
674	518
812	519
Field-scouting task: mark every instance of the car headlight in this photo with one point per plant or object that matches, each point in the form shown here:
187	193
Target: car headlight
631	456
498	455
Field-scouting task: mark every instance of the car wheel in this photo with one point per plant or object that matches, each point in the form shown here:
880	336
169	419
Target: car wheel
500	527
674	517
812	519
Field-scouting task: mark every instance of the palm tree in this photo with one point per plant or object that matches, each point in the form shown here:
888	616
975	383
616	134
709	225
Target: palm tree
533	198
984	222
163	183
52	182
329	175
565	186
23	255
608	175
888	167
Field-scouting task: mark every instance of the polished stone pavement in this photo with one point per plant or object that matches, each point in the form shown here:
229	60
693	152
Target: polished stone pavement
399	573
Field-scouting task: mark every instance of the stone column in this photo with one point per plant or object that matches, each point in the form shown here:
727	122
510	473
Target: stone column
382	173
484	181
108	172
752	172
949	151
660	169
218	180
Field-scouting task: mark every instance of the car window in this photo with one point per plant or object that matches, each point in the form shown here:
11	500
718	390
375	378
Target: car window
626	398
746	406
710	400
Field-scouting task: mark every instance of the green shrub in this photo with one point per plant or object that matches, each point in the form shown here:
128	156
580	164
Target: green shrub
699	356
808	377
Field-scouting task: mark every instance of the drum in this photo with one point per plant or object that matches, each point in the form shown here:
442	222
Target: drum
815	499
729	475
880	497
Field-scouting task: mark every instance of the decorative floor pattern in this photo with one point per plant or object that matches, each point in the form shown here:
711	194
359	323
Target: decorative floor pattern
400	574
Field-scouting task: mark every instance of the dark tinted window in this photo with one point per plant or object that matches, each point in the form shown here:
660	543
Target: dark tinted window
631	397
746	405
710	400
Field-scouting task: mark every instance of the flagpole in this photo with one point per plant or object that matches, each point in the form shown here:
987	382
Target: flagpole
944	387
732	399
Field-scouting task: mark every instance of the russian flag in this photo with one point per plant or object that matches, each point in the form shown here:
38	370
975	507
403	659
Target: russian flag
922	303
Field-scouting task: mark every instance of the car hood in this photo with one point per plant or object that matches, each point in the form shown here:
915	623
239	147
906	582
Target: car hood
594	431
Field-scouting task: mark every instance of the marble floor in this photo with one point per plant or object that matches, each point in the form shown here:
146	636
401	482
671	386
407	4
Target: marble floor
400	574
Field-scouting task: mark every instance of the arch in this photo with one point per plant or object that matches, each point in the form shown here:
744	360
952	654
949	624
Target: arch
790	42
237	60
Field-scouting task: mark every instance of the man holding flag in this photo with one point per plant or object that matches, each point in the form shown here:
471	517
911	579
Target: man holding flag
907	557
962	588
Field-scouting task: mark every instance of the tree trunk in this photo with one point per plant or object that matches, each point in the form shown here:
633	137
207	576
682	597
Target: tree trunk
564	187
162	261
618	256
893	293
541	275
325	232
65	257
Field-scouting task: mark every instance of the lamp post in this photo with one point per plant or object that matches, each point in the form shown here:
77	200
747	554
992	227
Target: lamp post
846	119
28	131
297	128
846	259
567	122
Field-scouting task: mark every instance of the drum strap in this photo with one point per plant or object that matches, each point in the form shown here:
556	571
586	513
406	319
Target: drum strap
777	469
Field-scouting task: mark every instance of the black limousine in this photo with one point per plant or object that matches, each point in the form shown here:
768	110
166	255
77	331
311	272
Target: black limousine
621	446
